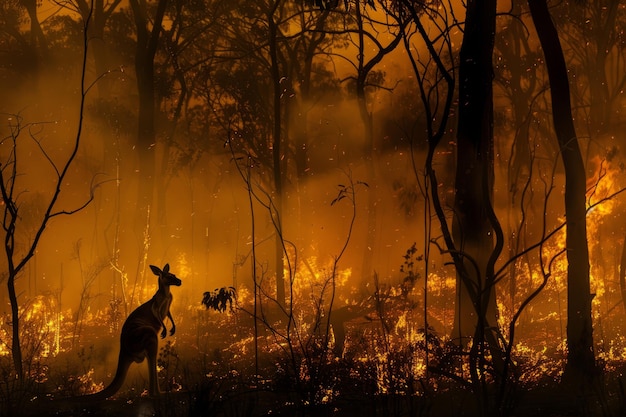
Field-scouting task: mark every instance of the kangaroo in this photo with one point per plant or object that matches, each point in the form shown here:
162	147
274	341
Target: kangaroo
139	338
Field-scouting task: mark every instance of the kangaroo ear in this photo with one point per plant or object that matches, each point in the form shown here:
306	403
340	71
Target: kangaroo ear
166	268
155	270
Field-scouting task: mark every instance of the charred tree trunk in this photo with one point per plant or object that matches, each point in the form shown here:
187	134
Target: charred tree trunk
600	97
38	38
367	119
580	359
11	219
364	69
277	154
16	346
37	49
147	42
520	85
100	14
622	274
472	227
302	53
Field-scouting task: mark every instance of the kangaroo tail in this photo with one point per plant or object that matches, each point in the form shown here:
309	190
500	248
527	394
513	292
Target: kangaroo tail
120	374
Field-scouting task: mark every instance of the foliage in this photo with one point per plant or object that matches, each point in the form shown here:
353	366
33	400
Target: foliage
408	268
347	191
333	4
220	299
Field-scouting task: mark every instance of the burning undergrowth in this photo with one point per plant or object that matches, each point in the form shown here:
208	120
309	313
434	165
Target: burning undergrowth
376	346
331	346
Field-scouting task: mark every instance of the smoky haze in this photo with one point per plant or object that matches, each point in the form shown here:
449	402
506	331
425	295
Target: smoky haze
206	222
207	193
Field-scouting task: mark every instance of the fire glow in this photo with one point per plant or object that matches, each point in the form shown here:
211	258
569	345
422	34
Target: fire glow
367	206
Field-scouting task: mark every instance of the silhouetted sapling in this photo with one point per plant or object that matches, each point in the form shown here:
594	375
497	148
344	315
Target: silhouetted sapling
219	299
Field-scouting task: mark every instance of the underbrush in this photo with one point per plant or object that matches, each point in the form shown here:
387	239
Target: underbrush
211	368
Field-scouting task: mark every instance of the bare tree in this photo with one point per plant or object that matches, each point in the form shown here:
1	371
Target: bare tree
18	254
366	79
149	30
580	358
99	13
475	239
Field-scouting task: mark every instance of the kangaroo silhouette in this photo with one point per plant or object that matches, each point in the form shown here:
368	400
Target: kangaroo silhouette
139	338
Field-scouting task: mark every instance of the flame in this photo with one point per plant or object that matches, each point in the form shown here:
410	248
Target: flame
388	342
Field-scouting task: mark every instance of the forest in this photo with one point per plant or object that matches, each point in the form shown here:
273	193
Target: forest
359	207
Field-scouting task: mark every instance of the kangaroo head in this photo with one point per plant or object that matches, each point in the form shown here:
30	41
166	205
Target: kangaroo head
165	276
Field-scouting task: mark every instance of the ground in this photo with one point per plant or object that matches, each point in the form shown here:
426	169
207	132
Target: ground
546	402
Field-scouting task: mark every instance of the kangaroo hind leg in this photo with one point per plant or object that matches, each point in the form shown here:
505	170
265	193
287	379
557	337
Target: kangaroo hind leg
152	350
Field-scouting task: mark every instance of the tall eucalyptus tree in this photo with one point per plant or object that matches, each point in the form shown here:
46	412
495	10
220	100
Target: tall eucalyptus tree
148	27
581	364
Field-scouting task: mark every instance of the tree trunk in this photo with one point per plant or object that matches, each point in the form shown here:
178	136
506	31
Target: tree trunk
10	194
38	38
100	13
600	97
367	120
520	86
37	49
16	346
580	359
472	228
622	275
364	68
277	154
147	42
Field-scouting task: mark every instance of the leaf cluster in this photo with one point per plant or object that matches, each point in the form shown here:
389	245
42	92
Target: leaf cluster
346	191
408	268
333	4
220	299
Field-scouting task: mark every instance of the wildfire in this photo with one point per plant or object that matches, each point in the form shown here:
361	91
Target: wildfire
601	187
42	327
383	333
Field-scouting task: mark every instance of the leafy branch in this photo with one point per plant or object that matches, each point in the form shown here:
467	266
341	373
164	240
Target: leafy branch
220	299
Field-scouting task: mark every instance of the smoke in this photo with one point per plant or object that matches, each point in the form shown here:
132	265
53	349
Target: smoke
201	219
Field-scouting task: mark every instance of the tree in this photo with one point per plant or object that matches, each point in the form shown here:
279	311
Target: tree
304	73
516	77
259	91
21	51
38	37
18	254
273	33
366	79
100	12
594	47
474	222
248	92
580	357
148	29
361	26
